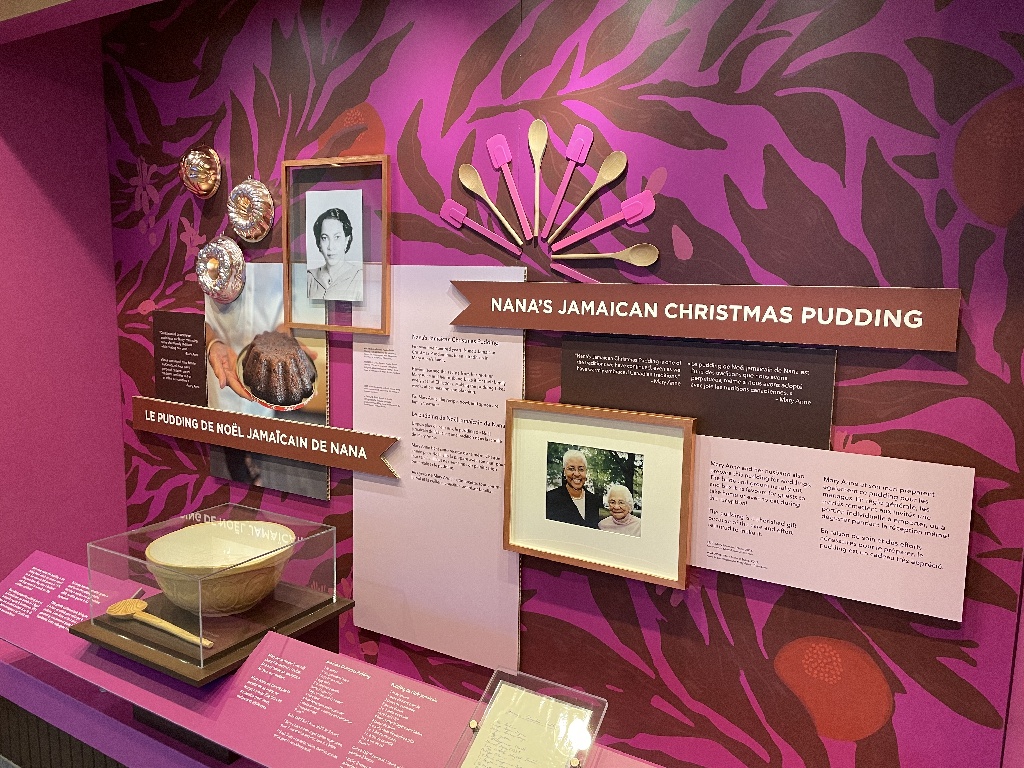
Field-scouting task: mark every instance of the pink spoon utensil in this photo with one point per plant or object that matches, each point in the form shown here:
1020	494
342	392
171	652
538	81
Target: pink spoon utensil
455	214
501	159
580	142
634	209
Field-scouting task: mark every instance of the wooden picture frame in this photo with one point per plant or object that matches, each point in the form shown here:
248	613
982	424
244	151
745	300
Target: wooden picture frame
649	455
336	243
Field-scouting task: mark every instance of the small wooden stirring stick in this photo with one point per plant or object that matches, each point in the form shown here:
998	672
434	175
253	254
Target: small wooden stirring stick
133	608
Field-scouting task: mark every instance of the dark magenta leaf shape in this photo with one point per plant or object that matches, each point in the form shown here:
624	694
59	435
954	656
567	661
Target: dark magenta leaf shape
353	40
356	87
1014	39
650	61
1014	554
710	257
149	116
963	77
655	118
190	45
241	164
879	750
554	25
290	73
974	241
458	192
787	10
874	81
796	236
415	174
814	126
115	94
561	79
412	227
727	28
945	208
892	213
682	6
837	19
985	587
1009	333
925	659
613	33
480	60
269	134
730	72
228	24
919	166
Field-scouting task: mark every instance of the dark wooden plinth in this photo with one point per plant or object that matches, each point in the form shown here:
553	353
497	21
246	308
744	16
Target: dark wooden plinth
293	611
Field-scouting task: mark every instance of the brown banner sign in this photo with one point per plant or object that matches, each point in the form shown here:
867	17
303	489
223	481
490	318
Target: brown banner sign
888	318
327	446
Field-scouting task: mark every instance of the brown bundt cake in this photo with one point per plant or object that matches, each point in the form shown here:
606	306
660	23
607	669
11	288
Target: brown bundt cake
277	371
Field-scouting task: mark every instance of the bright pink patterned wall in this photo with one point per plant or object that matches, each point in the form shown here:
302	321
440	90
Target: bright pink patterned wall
861	142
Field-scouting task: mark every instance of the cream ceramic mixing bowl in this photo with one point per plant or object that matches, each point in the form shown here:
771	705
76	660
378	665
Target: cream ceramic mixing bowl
222	567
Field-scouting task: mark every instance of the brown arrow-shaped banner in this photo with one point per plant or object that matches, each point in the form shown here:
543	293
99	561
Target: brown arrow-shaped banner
839	316
327	446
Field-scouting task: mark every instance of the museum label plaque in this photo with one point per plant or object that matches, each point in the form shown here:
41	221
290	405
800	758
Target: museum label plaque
843	316
179	358
328	446
880	530
750	392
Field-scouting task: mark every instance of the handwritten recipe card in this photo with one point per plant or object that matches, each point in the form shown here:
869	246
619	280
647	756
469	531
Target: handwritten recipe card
523	729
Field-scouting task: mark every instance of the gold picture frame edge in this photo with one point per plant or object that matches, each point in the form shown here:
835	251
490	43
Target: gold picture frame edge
384	161
685	424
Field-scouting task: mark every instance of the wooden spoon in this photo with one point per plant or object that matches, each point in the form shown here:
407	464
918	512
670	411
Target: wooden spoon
640	255
133	608
470	178
538	138
610	170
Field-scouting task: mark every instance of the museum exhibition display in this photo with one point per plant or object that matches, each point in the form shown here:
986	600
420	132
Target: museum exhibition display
211	585
595	384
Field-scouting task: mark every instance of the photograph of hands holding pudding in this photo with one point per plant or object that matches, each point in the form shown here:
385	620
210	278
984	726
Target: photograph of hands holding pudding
601	492
260	367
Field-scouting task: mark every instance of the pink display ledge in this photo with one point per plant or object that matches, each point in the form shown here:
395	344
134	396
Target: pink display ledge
290	703
93	716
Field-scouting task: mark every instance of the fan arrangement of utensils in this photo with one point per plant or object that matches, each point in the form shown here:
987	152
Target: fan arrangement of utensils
632	210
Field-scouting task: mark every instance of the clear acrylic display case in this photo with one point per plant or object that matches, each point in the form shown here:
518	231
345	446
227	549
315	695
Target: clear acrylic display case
522	720
193	595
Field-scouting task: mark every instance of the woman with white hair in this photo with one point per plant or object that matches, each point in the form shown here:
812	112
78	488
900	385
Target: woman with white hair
619	502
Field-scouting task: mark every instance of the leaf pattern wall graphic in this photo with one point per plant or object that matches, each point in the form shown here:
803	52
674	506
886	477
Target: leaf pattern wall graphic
800	141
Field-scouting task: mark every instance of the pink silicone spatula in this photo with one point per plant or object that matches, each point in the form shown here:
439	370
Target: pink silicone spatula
580	142
455	214
501	159
634	209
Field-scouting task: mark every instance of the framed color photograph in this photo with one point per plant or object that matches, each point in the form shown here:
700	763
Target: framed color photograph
337	243
599	488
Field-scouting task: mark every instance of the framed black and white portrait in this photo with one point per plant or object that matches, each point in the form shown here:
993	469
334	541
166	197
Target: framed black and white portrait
336	243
